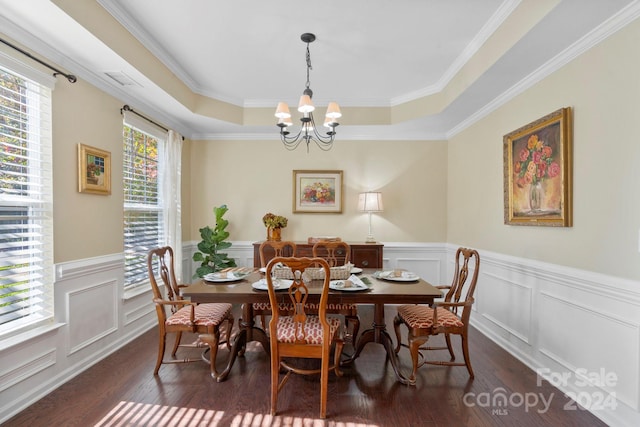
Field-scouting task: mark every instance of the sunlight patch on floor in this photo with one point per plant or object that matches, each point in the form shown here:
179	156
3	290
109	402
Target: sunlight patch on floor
146	414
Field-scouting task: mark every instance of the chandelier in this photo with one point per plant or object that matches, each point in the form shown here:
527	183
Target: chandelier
308	130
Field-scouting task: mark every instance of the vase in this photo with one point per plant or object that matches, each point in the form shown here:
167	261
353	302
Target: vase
274	234
535	196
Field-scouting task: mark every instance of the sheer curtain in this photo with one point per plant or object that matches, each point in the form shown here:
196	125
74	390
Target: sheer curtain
171	178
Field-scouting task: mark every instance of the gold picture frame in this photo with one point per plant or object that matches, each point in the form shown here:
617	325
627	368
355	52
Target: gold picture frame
538	172
94	170
317	191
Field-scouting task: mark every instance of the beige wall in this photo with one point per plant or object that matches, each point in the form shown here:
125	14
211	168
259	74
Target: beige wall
85	225
433	191
603	88
255	177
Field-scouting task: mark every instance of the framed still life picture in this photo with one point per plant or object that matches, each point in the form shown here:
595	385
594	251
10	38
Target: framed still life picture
94	170
538	172
317	191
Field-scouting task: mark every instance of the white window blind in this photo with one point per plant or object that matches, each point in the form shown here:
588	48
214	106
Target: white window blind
26	202
142	202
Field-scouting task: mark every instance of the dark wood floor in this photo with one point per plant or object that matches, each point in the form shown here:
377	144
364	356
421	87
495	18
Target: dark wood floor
122	391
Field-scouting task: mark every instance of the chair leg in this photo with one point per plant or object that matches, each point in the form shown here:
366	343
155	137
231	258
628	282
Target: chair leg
465	353
397	321
447	338
414	348
324	384
337	356
212	339
161	347
176	344
275	377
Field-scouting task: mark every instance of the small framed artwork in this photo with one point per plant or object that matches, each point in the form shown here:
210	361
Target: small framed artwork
317	191
94	170
538	172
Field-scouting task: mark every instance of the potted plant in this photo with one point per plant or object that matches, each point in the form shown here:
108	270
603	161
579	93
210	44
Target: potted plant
213	241
274	224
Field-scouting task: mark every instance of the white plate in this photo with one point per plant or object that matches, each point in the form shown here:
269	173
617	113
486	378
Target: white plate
261	284
220	278
356	270
407	276
338	285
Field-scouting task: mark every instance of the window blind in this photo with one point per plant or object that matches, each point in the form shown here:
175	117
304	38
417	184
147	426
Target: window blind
142	204
26	203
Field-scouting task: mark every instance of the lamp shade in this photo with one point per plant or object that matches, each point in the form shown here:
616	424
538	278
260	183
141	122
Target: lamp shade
333	111
370	201
282	111
305	105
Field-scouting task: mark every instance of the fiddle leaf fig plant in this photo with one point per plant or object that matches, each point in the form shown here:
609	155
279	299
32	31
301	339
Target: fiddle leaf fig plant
214	241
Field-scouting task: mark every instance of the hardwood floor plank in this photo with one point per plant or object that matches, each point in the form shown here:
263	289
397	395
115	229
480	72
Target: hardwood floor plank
122	391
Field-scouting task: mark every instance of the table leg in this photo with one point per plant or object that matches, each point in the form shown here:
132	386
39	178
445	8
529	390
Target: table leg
248	332
378	334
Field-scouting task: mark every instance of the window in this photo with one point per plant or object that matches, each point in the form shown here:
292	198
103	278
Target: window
26	208
142	204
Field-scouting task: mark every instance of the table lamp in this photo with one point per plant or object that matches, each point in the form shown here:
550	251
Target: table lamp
369	202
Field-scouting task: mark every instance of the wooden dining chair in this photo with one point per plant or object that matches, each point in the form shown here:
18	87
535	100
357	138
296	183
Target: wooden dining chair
301	334
177	315
270	249
449	316
338	254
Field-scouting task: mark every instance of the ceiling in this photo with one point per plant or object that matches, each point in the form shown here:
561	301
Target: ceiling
400	69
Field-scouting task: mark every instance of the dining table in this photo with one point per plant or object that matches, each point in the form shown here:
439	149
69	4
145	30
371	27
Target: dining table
394	289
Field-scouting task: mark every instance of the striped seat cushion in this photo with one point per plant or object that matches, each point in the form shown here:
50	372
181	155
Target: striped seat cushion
421	316
211	314
313	329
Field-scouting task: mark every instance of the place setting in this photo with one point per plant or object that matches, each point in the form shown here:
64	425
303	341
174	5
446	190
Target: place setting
397	275
228	275
278	284
352	284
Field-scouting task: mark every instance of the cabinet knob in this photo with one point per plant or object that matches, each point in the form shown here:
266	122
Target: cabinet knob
365	263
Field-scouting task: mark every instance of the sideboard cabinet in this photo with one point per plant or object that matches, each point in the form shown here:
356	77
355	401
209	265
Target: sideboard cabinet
363	255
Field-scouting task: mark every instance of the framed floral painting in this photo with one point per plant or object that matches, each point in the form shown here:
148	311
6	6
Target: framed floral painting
94	170
538	172
317	191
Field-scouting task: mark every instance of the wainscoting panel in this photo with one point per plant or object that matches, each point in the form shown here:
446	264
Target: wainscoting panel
580	331
566	322
508	304
18	369
98	302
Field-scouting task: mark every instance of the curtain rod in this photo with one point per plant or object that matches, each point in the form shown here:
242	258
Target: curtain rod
125	107
70	77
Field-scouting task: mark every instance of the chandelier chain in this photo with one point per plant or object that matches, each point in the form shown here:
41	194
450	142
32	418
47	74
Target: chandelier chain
309	67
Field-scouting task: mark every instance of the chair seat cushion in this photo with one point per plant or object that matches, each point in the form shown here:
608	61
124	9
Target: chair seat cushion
210	314
313	329
421	317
